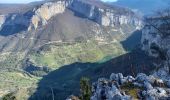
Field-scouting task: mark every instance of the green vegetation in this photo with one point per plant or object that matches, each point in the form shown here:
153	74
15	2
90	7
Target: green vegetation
53	56
9	96
60	55
18	81
11	59
131	90
11	80
85	89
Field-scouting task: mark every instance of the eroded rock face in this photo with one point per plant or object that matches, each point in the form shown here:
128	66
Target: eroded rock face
45	12
157	45
2	20
90	9
106	16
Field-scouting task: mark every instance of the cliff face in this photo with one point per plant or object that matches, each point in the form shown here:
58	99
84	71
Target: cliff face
45	12
156	42
93	10
2	20
103	15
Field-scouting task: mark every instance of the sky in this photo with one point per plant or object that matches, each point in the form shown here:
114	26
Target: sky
109	0
27	1
17	1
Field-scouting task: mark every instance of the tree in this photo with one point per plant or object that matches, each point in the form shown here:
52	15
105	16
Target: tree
9	96
85	89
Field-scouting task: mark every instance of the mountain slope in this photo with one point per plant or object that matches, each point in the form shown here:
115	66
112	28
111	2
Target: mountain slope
47	36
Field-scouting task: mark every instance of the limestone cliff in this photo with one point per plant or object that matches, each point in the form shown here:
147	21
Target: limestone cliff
105	15
156	41
93	10
2	20
45	12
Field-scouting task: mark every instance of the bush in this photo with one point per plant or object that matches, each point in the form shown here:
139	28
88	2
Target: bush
85	89
9	96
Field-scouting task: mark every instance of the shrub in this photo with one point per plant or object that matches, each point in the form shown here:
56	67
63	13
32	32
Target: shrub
85	89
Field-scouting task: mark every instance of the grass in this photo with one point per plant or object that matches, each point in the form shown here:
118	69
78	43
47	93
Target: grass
10	80
79	52
11	59
17	83
131	90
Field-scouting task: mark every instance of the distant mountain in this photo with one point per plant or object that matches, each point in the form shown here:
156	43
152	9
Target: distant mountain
144	6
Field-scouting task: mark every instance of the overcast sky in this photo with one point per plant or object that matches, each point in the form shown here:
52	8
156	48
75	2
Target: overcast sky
27	1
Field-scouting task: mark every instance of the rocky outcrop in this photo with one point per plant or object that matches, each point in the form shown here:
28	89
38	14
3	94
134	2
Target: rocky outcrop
103	15
45	12
147	88
2	20
156	41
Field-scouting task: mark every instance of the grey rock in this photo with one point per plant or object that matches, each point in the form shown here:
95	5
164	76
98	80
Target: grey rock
2	20
114	77
130	78
137	84
106	16
147	86
141	77
168	83
162	92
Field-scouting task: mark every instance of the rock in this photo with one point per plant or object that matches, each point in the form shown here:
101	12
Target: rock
2	20
114	77
152	93
130	78
122	81
149	97
168	83
45	12
72	97
119	78
162	92
120	75
103	15
151	79
147	86
105	89
120	97
157	44
159	82
137	84
141	77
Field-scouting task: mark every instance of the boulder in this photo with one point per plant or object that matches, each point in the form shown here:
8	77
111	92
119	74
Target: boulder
161	92
114	77
147	86
141	77
130	78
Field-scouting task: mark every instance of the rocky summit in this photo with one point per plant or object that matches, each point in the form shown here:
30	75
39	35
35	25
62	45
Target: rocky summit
55	49
119	87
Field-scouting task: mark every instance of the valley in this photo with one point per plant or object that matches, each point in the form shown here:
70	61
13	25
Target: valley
48	46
